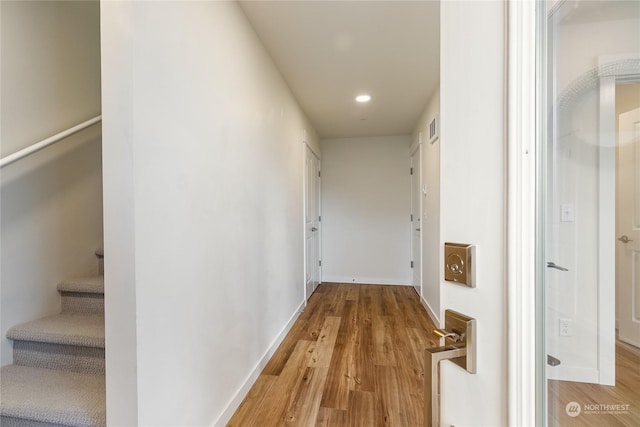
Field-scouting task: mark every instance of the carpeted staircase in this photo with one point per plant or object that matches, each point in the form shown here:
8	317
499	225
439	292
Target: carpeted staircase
57	377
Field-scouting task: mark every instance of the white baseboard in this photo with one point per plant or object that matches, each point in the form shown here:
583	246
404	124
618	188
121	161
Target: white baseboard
365	280
432	314
232	407
573	374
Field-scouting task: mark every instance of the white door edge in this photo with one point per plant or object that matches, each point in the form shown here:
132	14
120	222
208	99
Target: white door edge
521	204
416	258
304	219
307	148
607	231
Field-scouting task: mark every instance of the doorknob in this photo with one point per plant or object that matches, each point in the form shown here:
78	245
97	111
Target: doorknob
459	347
551	264
625	239
314	229
417	229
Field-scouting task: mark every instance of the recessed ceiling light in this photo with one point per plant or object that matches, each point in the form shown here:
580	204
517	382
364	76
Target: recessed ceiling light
363	98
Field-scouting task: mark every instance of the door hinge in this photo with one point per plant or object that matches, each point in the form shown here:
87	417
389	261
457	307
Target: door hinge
410	171
319	218
411	264
318	174
320	263
411	218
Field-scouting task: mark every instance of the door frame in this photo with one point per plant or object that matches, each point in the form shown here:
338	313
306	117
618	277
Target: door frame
526	59
607	204
619	232
607	214
305	146
416	148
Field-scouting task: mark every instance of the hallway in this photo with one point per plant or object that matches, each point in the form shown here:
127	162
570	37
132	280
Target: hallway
353	357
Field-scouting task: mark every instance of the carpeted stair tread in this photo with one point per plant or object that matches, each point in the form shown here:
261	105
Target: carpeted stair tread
90	285
85	330
52	396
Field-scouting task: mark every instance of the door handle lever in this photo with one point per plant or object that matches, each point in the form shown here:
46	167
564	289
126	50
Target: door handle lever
460	348
625	239
314	229
552	361
556	266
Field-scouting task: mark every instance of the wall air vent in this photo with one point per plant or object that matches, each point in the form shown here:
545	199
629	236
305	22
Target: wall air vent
433	129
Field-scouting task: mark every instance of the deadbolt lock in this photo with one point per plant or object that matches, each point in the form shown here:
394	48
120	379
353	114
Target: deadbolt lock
459	263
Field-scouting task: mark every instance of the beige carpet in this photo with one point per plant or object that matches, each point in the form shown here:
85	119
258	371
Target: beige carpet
52	396
57	378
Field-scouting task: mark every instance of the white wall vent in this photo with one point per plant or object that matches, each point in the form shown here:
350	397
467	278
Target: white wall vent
433	129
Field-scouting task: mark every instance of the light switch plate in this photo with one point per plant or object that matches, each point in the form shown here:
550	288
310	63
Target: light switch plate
567	213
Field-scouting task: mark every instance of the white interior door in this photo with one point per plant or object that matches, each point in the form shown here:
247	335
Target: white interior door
628	228
312	221
579	215
416	229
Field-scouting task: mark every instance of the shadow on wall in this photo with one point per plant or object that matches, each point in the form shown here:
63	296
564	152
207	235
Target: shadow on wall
34	181
51	224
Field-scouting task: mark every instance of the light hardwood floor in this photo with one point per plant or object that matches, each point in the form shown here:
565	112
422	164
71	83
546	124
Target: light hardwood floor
354	357
625	392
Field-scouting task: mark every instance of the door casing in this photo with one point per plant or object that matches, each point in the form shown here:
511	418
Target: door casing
416	215
628	326
312	239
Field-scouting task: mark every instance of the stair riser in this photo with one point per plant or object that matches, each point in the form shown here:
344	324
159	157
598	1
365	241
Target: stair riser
78	302
21	422
57	356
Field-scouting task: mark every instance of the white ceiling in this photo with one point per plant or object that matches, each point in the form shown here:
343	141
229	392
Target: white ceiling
331	51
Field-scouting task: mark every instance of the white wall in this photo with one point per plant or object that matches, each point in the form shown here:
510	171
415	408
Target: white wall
204	137
51	202
432	255
119	227
580	45
472	200
365	210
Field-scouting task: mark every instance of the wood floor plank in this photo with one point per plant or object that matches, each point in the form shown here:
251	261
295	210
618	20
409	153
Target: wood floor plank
383	340
336	299
362	408
364	358
342	376
336	391
272	410
419	341
246	415
352	358
388	301
276	364
352	293
328	417
321	355
390	411
303	410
